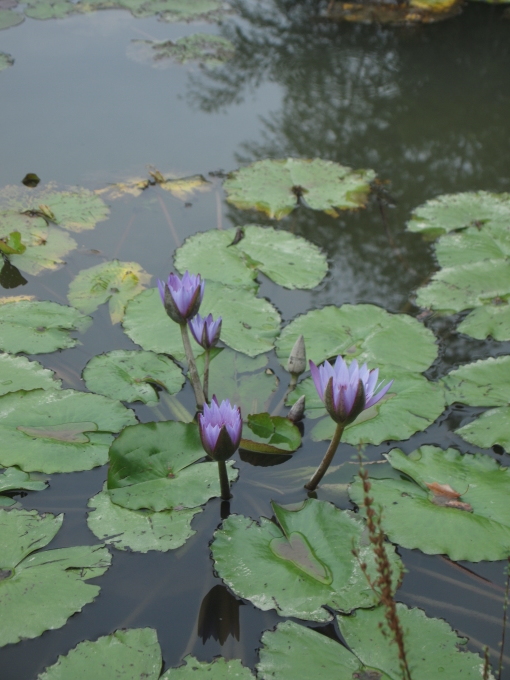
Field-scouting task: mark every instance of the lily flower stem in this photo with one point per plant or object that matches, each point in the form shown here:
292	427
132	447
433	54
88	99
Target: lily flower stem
192	368
326	461
224	483
206	374
290	388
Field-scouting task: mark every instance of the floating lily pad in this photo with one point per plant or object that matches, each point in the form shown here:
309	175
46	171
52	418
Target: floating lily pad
53	9
113	282
13	479
412	404
169	10
250	324
9	19
488	321
453	504
139	530
18	373
263	433
451	212
363	332
154	466
58	431
132	375
41	591
288	260
208	49
39	327
302	565
276	187
489	429
125	655
5	59
218	669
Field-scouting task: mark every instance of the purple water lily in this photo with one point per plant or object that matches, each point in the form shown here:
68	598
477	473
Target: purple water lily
220	428
206	331
347	390
182	297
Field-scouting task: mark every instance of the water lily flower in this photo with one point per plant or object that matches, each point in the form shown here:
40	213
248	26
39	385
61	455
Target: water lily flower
347	390
206	331
220	428
182	297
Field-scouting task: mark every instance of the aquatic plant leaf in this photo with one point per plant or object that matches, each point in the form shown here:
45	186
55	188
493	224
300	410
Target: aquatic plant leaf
13	479
38	327
53	9
315	570
218	669
125	655
46	430
5	59
185	187
113	282
208	49
240	379
270	434
18	373
482	383
288	260
152	467
412	404
42	590
488	321
451	212
411	518
363	332
131	187
250	324
9	18
276	187
169	10
139	530
488	429
132	375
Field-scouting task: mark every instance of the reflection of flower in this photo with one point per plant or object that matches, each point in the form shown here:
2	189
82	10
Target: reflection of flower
347	390
220	429
182	297
206	331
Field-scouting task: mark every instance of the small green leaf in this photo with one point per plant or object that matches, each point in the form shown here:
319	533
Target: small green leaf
12	245
270	434
18	373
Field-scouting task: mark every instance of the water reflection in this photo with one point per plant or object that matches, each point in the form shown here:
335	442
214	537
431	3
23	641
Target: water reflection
219	616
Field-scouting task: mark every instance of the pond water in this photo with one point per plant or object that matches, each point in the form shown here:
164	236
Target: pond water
427	107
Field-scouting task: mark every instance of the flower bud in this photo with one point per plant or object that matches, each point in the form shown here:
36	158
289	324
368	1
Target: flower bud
297	412
297	358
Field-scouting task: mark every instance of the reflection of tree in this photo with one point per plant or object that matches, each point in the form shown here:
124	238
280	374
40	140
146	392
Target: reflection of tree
421	106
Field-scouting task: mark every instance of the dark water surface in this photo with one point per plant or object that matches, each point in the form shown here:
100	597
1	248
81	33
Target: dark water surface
428	108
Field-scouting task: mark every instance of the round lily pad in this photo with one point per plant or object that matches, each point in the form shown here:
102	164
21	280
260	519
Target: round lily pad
5	60
250	324
139	530
276	187
38	327
9	18
41	591
58	431
363	332
154	466
302	565
18	373
132	375
288	260
450	504
113	282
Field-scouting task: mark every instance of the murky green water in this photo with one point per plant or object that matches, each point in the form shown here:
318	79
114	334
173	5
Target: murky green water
428	108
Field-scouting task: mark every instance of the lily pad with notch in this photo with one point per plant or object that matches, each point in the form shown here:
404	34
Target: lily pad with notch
14	479
300	565
263	433
277	187
19	373
448	503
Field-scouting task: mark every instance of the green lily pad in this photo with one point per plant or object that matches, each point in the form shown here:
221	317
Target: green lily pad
218	669
288	260
469	520
9	18
488	321
363	332
5	59
489	429
152	467
276	187
41	591
139	530
458	211
125	655
39	327
263	433
113	282
482	383
52	9
240	379
302	565
12	245
250	324
18	373
209	49
411	405
13	479
46	430
132	375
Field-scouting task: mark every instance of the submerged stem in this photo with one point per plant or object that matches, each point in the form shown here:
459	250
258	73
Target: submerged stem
192	368
326	461
224	483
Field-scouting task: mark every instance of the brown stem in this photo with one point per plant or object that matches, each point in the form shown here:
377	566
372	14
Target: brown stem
206	374
326	461
192	369
224	483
